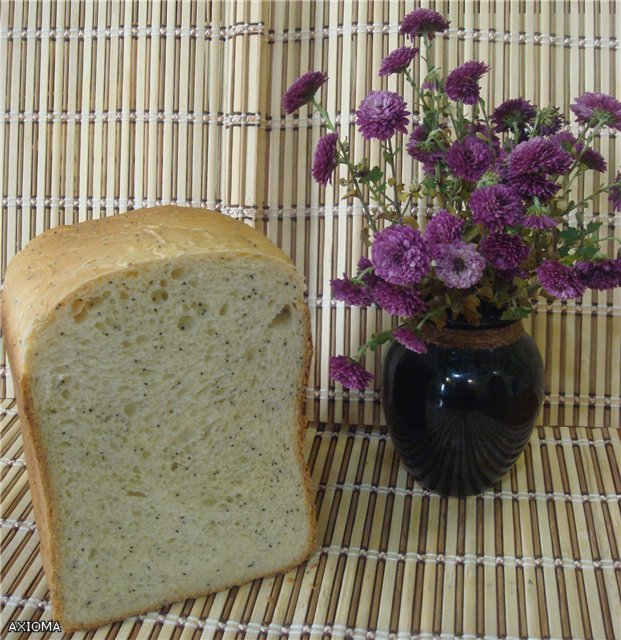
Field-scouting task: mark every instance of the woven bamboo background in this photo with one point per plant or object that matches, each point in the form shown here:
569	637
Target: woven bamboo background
109	106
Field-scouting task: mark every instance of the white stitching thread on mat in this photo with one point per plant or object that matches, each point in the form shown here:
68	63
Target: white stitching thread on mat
226	119
376	435
555	496
250	213
211	624
9	523
73	33
553	399
12	462
211	31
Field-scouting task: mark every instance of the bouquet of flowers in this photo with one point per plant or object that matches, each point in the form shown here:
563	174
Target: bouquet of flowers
504	227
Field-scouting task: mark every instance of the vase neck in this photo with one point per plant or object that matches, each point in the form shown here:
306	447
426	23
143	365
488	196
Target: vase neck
488	337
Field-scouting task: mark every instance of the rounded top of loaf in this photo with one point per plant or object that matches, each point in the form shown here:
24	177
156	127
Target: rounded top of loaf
62	259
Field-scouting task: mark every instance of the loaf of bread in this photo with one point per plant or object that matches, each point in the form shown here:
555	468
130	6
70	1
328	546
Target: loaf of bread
160	359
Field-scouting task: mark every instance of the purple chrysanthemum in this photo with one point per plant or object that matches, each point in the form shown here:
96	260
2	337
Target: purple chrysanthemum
422	149
459	265
397	300
469	158
600	274
614	195
325	158
496	206
423	22
381	114
549	121
442	229
513	114
559	280
504	251
302	90
532	162
400	255
590	158
409	339
538	221
398	60
539	155
350	292
597	108
349	373
462	84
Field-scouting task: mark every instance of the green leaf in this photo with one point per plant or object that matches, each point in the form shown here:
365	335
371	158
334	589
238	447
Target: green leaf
379	339
515	313
587	251
470	233
593	227
387	156
569	235
375	174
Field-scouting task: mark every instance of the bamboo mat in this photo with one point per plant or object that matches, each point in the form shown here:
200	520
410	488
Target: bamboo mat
109	106
537	556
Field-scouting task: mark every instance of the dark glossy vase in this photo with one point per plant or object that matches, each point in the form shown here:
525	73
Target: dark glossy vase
460	417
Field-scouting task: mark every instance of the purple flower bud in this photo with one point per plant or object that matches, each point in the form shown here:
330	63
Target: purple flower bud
349	373
302	90
409	339
325	158
398	60
423	22
462	84
600	274
597	108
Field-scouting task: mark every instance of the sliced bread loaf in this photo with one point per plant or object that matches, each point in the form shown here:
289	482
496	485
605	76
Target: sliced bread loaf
160	360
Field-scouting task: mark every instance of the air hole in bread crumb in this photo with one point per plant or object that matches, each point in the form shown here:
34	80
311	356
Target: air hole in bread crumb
223	309
140	339
282	319
176	273
185	323
136	494
159	295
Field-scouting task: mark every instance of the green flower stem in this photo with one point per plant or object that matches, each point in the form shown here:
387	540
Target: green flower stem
427	58
582	202
576	163
487	123
413	84
346	160
391	162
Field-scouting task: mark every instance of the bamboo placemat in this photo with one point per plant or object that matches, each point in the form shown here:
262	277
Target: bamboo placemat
112	105
537	556
109	106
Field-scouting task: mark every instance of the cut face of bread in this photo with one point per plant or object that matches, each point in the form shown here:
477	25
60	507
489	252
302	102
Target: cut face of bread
163	401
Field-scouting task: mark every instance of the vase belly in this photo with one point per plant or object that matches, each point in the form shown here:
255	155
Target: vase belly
459	418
